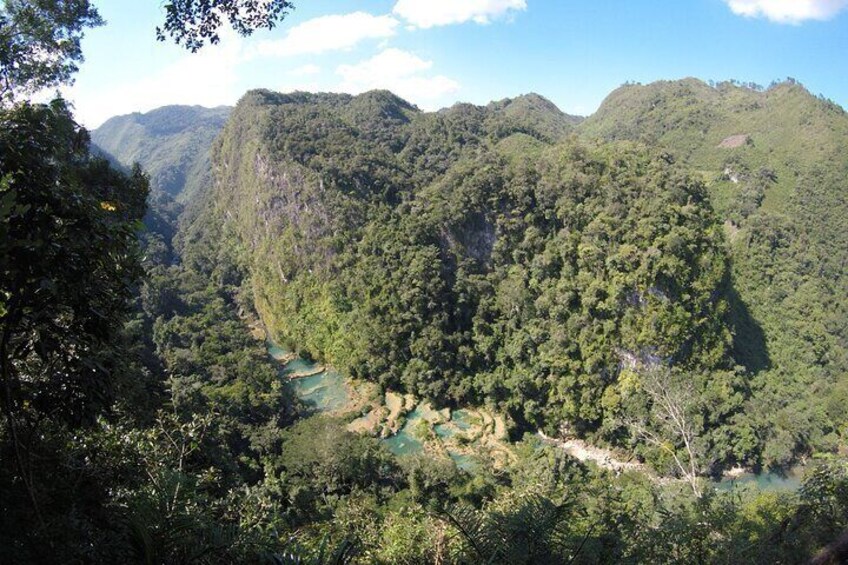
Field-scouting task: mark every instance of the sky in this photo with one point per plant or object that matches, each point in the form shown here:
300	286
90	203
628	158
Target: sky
435	53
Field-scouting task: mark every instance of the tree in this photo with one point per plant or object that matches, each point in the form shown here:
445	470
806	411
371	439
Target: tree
69	259
40	39
670	425
519	527
192	23
69	262
40	43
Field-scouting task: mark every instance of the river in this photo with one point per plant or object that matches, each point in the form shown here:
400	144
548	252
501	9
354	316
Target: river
326	390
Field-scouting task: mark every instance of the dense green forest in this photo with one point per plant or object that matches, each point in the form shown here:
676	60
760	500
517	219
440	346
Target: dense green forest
663	279
775	167
505	255
501	255
174	144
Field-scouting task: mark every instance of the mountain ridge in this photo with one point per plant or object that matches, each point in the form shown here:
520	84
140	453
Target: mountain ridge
172	143
302	179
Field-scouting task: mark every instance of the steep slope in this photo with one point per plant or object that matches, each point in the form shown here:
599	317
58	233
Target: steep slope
775	162
473	255
171	143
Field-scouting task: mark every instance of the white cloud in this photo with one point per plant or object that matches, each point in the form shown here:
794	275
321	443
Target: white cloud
401	72
430	13
306	70
788	11
214	76
329	33
207	78
304	78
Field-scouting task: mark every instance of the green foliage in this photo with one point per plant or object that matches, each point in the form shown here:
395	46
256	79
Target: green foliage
516	528
472	255
87	449
194	22
69	265
40	43
763	155
479	254
321	462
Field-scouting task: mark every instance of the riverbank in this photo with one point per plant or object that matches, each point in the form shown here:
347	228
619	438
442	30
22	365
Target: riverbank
603	458
409	426
734	478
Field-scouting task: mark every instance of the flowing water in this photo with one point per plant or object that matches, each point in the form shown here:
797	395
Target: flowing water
324	392
327	392
789	482
465	462
276	351
459	422
404	443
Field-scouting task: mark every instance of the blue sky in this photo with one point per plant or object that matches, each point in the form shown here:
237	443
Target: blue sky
437	52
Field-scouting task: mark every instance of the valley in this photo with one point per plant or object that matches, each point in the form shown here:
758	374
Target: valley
414	283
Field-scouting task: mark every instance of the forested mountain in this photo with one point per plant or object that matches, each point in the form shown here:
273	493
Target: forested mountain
775	165
656	282
171	143
481	254
512	254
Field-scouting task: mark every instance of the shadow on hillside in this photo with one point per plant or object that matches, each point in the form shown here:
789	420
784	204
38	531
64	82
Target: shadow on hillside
749	341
